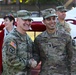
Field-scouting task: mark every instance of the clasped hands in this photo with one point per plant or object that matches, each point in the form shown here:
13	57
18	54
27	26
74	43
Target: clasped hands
33	63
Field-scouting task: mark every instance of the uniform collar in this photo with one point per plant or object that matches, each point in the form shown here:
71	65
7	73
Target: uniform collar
46	34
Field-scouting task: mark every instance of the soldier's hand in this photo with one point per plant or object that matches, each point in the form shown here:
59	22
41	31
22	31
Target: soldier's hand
33	63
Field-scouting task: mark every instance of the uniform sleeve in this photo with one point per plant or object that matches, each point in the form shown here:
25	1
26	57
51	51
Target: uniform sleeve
67	27
30	47
36	51
10	56
69	47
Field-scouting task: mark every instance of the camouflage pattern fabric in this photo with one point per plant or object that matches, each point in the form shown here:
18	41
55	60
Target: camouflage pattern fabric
17	50
63	27
51	49
74	61
67	29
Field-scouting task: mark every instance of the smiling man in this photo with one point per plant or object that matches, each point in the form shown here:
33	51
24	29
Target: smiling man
18	48
53	48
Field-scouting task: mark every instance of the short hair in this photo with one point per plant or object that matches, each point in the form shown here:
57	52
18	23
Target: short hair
10	17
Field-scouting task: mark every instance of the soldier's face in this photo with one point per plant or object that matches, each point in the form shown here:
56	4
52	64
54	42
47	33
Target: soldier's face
61	15
24	24
50	23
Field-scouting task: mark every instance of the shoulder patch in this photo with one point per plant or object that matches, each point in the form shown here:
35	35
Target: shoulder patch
11	50
13	44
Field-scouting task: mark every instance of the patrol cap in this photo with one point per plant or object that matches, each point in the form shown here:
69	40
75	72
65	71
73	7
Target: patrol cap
61	8
24	14
48	13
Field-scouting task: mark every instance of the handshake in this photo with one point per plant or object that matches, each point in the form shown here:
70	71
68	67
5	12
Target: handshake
32	63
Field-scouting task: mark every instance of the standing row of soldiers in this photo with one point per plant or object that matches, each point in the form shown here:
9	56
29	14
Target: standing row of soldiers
53	47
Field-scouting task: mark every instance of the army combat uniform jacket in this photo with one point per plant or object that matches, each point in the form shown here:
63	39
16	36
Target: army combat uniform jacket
17	50
63	27
55	53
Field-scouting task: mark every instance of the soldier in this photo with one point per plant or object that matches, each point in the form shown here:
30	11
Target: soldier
61	23
53	48
18	48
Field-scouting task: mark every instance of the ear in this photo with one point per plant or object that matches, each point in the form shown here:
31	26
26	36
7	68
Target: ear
16	19
43	21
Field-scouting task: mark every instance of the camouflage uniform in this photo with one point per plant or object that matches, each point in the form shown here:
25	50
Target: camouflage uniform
55	53
63	27
74	63
74	59
66	28
16	54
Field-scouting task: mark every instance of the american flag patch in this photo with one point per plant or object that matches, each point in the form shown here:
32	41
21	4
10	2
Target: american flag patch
13	44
